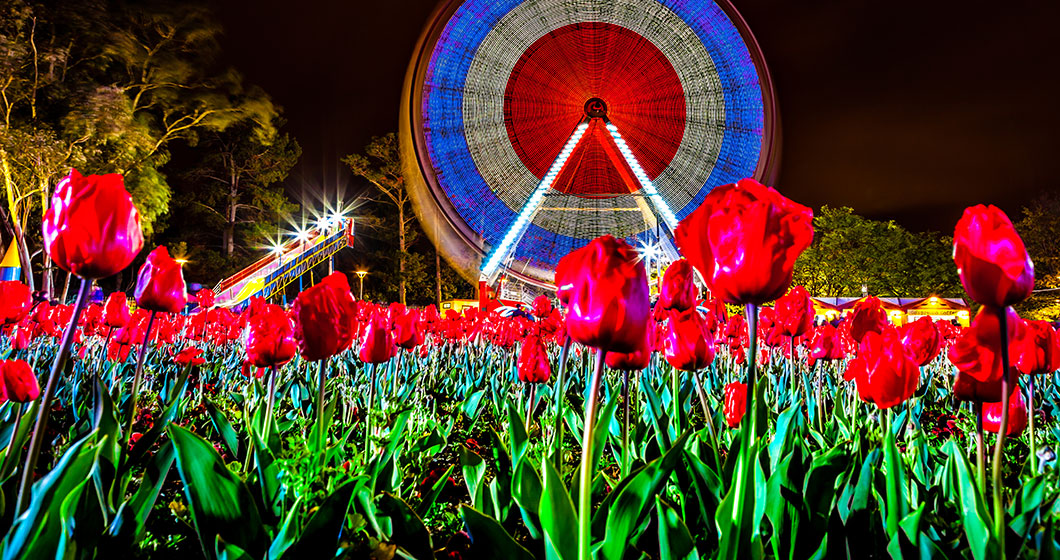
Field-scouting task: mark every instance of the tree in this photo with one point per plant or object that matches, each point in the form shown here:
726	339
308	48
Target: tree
1040	230
381	166
110	87
850	251
241	177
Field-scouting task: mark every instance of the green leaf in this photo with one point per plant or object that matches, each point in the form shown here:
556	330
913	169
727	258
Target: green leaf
223	427
320	538
675	541
489	539
128	524
558	520
474	469
972	506
432	495
36	533
220	503
526	491
633	500
406	528
517	437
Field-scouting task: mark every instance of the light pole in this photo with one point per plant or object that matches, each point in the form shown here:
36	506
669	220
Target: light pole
360	276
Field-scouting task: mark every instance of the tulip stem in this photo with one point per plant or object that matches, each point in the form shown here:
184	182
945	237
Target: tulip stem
11	451
368	414
585	479
893	465
624	470
675	388
137	379
530	406
980	456
752	356
557	432
999	506
1030	408
708	418
321	432
41	427
270	399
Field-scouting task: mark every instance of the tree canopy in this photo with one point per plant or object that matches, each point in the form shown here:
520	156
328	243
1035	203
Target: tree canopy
850	251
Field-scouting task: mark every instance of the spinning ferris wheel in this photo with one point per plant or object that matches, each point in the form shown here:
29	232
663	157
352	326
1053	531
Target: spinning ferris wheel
530	127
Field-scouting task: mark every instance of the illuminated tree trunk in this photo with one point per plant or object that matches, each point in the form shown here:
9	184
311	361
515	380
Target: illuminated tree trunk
401	252
438	278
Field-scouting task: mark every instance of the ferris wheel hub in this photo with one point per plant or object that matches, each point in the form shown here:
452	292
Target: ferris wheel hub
596	108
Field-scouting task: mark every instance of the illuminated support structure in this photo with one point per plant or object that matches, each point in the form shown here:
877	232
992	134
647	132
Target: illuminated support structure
526	215
286	263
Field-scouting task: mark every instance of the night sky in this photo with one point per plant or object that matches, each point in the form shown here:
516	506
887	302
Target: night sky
905	111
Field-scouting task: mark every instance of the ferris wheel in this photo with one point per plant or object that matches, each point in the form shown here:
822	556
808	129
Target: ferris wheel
530	127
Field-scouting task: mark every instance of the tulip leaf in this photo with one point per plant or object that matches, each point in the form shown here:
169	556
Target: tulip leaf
128	523
474	469
974	517
526	491
675	540
320	538
406	528
36	533
432	495
220	503
633	500
223	427
489	539
558	520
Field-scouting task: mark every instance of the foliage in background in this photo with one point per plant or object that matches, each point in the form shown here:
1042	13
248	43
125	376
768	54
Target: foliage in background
850	251
1040	230
112	88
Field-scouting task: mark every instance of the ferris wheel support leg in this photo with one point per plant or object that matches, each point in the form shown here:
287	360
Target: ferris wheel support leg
525	217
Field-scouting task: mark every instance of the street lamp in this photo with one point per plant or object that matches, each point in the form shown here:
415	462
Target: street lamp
360	276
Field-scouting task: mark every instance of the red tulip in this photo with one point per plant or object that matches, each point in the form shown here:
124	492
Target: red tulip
407	332
794	312
991	259
16	299
270	339
606	290
921	340
92	228
678	289
826	344
744	239
1017	415
533	361
324	318
160	286
735	403
688	345
20	339
205	298
190	355
19	384
884	374
868	316
636	360
968	388
377	347
716	308
977	350
1039	349
542	307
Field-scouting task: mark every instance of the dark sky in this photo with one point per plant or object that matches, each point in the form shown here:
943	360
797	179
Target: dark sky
909	111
